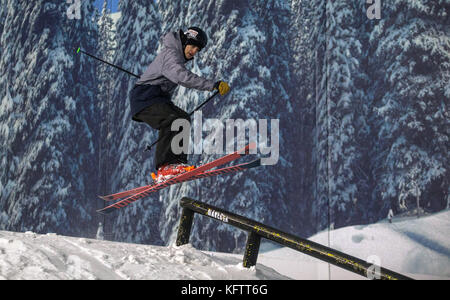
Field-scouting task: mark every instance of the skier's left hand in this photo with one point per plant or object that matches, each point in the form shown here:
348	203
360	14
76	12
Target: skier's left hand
222	87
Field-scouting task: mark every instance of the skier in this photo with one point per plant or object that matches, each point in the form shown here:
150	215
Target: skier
390	215
100	235
150	98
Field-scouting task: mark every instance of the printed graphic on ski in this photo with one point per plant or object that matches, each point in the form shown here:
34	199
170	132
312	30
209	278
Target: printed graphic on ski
211	173
179	178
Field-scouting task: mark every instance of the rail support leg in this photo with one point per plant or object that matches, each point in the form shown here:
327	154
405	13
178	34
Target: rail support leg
251	249
184	230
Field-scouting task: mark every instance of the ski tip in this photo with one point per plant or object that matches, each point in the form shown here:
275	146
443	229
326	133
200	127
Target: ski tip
252	164
106	210
106	198
78	50
256	162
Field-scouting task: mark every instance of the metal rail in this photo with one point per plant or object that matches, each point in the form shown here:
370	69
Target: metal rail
257	230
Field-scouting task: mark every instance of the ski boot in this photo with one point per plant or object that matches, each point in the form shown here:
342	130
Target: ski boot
169	171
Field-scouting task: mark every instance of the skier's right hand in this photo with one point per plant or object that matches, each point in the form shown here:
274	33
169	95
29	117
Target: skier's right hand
222	87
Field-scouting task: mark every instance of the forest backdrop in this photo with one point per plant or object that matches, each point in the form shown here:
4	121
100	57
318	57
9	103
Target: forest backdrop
362	105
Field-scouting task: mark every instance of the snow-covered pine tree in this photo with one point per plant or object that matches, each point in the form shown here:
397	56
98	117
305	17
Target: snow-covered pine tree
303	43
346	112
138	33
410	47
329	63
106	35
47	118
319	213
106	83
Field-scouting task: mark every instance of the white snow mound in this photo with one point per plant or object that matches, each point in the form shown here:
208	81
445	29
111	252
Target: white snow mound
34	256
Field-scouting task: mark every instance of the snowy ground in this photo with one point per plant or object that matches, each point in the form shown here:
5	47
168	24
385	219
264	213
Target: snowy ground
419	248
33	256
415	247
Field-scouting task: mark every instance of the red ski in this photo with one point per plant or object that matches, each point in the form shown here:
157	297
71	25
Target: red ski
177	179
221	171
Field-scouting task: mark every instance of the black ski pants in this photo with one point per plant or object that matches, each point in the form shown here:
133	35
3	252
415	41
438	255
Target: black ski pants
160	116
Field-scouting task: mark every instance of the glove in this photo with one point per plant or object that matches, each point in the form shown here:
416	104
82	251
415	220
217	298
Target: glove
222	87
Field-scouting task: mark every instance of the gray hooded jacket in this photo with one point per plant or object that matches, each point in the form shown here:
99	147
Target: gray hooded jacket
168	68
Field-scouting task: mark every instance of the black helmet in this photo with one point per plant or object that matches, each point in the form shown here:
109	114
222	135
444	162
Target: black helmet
195	36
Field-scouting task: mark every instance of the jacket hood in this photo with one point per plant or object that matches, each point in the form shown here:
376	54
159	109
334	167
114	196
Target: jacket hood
173	40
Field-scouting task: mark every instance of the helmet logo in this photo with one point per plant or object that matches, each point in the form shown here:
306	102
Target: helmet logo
191	34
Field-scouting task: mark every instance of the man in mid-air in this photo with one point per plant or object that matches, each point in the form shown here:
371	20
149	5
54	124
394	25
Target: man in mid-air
150	98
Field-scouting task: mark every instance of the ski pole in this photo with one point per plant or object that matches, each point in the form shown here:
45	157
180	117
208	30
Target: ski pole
190	114
206	101
117	67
